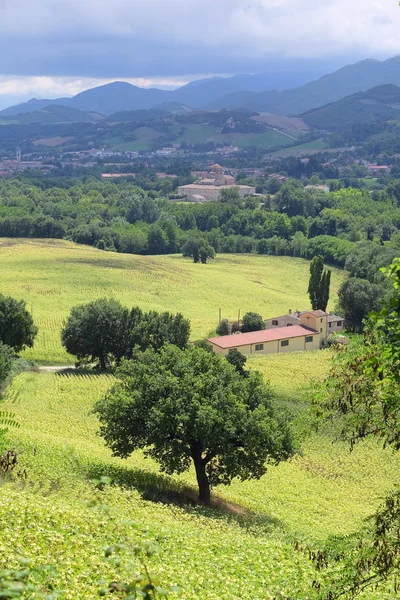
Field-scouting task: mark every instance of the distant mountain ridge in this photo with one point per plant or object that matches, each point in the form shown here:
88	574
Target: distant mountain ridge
237	92
380	103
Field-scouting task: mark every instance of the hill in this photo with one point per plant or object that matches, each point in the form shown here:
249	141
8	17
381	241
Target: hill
62	274
381	103
55	113
250	92
246	545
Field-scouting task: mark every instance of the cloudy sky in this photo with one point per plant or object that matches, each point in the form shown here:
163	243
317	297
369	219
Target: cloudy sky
52	48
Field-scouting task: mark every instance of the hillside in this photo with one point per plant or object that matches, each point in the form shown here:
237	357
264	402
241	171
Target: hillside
348	80
55	113
246	545
250	92
62	274
378	104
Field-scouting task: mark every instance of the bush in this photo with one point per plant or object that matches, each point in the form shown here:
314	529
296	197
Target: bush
252	322
224	327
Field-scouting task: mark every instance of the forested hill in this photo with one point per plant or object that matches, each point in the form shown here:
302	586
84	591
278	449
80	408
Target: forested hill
381	103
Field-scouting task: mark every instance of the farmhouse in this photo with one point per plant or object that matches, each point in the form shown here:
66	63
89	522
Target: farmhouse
209	188
268	341
293	332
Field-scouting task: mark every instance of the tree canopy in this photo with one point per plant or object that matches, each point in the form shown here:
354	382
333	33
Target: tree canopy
357	297
17	329
191	406
97	331
252	322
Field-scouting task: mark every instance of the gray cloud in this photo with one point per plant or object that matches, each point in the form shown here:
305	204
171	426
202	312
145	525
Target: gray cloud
158	38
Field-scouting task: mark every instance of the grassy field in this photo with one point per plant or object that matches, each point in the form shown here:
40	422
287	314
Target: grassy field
54	275
240	549
299	149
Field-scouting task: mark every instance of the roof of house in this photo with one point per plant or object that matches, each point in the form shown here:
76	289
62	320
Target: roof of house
284	320
333	318
316	313
261	337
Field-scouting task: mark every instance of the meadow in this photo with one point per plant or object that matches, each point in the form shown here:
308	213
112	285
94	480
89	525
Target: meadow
54	275
242	548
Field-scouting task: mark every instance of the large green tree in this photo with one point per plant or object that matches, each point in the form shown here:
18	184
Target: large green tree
198	249
97	331
188	407
17	329
319	284
153	329
357	298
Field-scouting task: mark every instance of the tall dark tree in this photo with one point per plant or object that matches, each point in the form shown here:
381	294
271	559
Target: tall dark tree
17	329
198	410
357	298
97	331
319	284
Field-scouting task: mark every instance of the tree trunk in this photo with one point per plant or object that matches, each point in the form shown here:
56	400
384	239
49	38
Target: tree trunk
202	479
103	366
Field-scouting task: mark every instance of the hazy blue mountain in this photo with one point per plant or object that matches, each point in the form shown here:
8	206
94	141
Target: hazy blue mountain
237	92
54	114
31	105
348	80
381	103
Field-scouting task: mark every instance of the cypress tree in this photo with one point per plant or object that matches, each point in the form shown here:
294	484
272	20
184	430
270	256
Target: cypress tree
319	284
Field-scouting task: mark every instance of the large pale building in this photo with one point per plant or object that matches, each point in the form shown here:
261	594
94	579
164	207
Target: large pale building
209	189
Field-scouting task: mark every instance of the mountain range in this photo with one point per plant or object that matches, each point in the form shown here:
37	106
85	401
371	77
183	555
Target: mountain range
244	92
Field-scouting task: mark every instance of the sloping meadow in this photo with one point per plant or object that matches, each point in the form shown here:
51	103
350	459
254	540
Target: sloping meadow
243	547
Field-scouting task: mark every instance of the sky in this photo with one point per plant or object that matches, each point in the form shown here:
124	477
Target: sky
55	48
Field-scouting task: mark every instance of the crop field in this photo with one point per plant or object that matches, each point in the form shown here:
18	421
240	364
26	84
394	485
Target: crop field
52	276
242	548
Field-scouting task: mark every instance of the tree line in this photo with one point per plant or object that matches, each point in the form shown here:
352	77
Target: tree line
128	218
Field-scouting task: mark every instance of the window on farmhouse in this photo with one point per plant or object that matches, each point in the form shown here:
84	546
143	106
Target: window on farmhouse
259	347
330	324
339	323
275	322
309	338
284	343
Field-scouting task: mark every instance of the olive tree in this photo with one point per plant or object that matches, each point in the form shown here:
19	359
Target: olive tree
188	407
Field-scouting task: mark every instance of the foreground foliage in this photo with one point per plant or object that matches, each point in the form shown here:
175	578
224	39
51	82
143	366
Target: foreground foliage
363	397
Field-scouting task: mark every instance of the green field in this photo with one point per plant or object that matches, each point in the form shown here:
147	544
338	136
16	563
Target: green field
54	275
306	148
241	548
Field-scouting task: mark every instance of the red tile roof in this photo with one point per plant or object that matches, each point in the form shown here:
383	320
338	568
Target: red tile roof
261	337
316	313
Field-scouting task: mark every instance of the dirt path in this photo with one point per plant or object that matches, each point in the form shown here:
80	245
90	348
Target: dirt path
56	369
